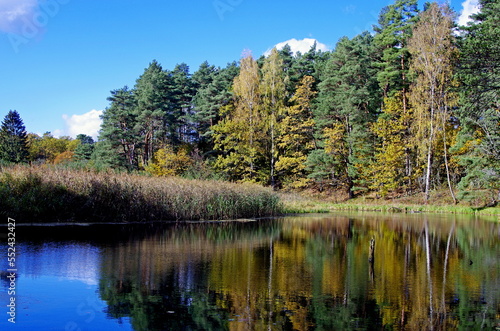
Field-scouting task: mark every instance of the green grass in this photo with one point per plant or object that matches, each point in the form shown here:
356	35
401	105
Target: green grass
45	194
298	204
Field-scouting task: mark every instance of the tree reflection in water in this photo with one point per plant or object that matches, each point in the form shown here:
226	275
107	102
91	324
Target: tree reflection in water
308	273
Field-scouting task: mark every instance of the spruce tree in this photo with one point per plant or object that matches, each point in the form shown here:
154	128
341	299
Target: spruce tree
13	139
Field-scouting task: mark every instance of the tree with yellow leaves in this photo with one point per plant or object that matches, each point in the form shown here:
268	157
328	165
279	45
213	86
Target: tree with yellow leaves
166	162
433	54
273	91
296	137
390	169
240	133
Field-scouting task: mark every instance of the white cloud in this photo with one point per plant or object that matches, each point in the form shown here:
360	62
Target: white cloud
469	7
302	46
88	123
15	13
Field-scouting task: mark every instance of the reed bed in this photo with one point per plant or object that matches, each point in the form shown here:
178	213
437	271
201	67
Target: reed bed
44	194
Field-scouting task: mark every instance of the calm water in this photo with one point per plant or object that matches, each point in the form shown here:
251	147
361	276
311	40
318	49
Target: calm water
294	273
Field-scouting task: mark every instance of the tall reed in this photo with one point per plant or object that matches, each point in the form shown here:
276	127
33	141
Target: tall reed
44	194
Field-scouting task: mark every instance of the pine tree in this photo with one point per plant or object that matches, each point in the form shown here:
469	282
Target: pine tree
479	114
210	97
119	130
393	31
155	111
181	115
13	139
347	102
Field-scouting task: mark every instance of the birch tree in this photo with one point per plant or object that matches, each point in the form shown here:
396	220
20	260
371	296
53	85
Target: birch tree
433	53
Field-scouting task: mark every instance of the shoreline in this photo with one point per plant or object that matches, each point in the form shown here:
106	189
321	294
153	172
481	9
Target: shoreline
305	205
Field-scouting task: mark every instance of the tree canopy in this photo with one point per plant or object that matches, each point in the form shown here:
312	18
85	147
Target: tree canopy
412	107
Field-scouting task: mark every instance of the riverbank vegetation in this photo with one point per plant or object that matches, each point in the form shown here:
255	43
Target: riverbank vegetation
403	112
48	194
295	203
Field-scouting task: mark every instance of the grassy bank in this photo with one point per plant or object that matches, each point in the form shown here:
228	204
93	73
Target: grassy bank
297	204
42	194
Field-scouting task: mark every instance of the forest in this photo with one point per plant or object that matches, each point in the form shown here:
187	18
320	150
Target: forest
407	109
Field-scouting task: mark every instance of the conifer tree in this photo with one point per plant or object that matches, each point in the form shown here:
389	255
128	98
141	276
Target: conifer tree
393	31
83	151
155	112
479	114
180	116
347	102
119	131
13	139
214	92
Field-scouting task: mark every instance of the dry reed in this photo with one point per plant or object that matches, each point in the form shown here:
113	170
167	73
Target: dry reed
44	194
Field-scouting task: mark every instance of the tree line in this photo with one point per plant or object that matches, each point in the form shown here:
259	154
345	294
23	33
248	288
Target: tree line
411	107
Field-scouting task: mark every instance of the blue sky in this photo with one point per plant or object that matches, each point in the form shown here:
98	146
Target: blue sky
59	59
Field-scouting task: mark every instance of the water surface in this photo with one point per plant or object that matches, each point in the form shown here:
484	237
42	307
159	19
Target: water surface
311	272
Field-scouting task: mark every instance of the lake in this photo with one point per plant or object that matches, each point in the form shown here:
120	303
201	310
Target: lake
315	272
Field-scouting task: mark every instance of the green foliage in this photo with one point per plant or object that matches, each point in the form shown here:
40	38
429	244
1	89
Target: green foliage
84	150
13	139
354	119
393	31
479	114
154	110
214	92
119	131
346	103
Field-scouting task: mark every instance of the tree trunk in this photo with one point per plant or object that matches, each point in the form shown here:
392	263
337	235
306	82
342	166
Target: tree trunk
428	174
445	149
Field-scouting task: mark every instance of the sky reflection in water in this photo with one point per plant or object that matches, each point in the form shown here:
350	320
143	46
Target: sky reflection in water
308	272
